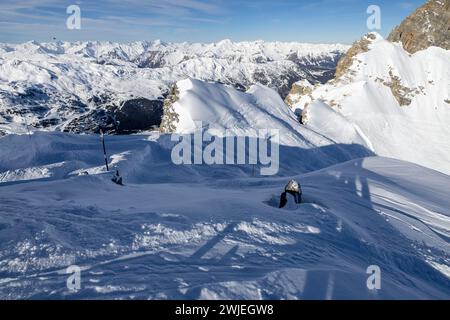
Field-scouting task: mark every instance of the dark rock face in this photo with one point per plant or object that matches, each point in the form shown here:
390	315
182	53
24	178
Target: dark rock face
428	26
92	122
138	114
153	59
132	116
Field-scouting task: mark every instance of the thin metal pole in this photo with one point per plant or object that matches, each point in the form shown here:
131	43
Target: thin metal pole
104	149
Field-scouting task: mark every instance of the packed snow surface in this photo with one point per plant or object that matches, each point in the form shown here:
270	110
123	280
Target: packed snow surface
209	232
216	232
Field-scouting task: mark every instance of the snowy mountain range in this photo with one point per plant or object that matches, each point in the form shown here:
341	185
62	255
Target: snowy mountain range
79	87
369	147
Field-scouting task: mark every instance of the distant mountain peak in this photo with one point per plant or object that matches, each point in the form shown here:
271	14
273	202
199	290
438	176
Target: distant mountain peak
358	47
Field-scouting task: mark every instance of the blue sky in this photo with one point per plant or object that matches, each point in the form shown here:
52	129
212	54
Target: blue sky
319	21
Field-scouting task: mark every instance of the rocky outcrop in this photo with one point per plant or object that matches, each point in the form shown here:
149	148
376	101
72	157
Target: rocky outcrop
298	90
170	117
132	116
401	93
92	122
138	115
428	26
347	60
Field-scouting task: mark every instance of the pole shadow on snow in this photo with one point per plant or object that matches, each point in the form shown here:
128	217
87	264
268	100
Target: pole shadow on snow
202	251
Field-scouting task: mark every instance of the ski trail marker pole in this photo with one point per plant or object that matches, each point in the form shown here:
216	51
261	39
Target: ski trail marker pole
104	149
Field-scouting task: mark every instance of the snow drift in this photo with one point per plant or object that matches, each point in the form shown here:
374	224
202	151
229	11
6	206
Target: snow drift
211	234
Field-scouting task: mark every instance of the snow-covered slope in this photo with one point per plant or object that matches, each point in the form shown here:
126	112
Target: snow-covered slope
221	107
394	103
210	233
74	86
215	231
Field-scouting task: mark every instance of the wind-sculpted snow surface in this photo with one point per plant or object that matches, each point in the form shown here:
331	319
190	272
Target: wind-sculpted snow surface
73	86
215	231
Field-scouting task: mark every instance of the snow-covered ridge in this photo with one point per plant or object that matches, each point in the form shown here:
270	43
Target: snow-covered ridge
392	102
174	53
220	107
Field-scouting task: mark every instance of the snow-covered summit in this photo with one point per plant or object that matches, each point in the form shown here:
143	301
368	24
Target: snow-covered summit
224	110
395	103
